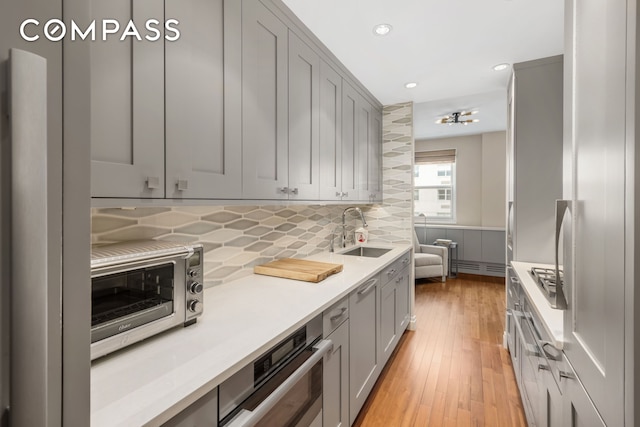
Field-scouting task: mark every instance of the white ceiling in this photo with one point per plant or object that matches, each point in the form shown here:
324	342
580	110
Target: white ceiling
448	46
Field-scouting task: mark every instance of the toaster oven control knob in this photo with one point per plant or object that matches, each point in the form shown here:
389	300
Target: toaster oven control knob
193	273
195	287
194	306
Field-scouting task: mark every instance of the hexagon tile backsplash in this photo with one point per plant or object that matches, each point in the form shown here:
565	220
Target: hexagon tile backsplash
236	238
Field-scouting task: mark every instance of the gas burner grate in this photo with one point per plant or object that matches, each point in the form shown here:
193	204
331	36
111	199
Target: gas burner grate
546	278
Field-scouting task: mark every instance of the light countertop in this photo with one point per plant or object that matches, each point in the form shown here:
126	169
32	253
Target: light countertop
458	227
150	382
552	319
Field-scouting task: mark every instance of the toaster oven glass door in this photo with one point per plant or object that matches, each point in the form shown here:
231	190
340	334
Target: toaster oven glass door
124	300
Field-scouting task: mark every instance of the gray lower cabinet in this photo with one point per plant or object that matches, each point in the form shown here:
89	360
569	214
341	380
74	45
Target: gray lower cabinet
264	103
335	394
389	328
551	409
127	106
403	299
203	412
364	335
203	101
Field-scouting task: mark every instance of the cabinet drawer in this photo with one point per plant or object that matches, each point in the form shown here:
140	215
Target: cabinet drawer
394	268
335	315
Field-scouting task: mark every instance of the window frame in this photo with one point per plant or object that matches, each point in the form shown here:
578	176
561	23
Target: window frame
422	217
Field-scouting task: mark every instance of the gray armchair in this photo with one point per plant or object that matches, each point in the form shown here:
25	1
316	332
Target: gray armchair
430	260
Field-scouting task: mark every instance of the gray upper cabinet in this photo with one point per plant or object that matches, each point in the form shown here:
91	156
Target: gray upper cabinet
375	156
364	126
127	107
534	158
304	119
264	103
203	129
349	142
330	133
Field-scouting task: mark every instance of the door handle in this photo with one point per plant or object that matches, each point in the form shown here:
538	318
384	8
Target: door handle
368	288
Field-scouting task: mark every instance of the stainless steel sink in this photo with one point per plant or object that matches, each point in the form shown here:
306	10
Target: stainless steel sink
366	252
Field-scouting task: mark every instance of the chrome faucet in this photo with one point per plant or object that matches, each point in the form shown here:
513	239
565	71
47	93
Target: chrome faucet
343	241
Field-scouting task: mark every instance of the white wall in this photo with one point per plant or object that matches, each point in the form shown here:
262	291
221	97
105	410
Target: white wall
480	176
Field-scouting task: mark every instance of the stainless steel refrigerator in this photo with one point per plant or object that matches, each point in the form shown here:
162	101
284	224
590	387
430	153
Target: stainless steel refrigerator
44	224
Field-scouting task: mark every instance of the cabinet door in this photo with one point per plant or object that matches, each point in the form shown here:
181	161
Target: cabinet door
388	317
330	133
349	142
127	106
264	103
363	122
375	156
203	412
335	372
203	130
552	403
304	120
364	364
594	323
403	309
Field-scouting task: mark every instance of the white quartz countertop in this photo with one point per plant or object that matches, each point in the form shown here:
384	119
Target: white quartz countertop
552	319
150	382
458	227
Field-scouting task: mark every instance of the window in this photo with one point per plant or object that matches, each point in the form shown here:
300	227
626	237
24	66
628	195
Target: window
434	186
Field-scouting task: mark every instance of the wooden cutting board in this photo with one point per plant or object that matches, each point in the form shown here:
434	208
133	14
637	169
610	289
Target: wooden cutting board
298	269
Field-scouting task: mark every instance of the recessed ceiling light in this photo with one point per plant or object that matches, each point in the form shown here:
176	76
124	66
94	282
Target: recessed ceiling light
411	85
382	29
500	67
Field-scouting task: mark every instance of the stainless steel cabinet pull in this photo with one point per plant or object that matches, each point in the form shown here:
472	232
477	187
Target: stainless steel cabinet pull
543	368
562	206
293	191
391	272
399	279
153	182
283	190
345	194
338	194
182	184
335	317
371	285
567	375
514	279
405	261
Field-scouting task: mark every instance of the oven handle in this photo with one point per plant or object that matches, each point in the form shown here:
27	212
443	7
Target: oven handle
251	418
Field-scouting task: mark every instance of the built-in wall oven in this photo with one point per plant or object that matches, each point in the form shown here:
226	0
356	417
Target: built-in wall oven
282	387
141	288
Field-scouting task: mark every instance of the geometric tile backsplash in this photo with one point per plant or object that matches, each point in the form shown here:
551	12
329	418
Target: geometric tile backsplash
236	238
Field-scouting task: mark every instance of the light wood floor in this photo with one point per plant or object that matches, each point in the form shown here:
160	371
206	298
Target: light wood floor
453	370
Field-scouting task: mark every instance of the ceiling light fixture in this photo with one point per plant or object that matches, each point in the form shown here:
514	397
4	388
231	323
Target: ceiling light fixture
410	85
500	67
382	29
454	118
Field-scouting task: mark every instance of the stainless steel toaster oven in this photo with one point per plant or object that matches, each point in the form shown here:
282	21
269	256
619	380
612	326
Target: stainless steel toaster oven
142	288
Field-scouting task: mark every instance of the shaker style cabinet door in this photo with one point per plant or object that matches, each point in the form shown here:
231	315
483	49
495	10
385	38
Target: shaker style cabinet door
350	147
304	121
388	317
330	133
594	323
335	382
364	338
264	103
127	105
375	156
363	123
203	100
